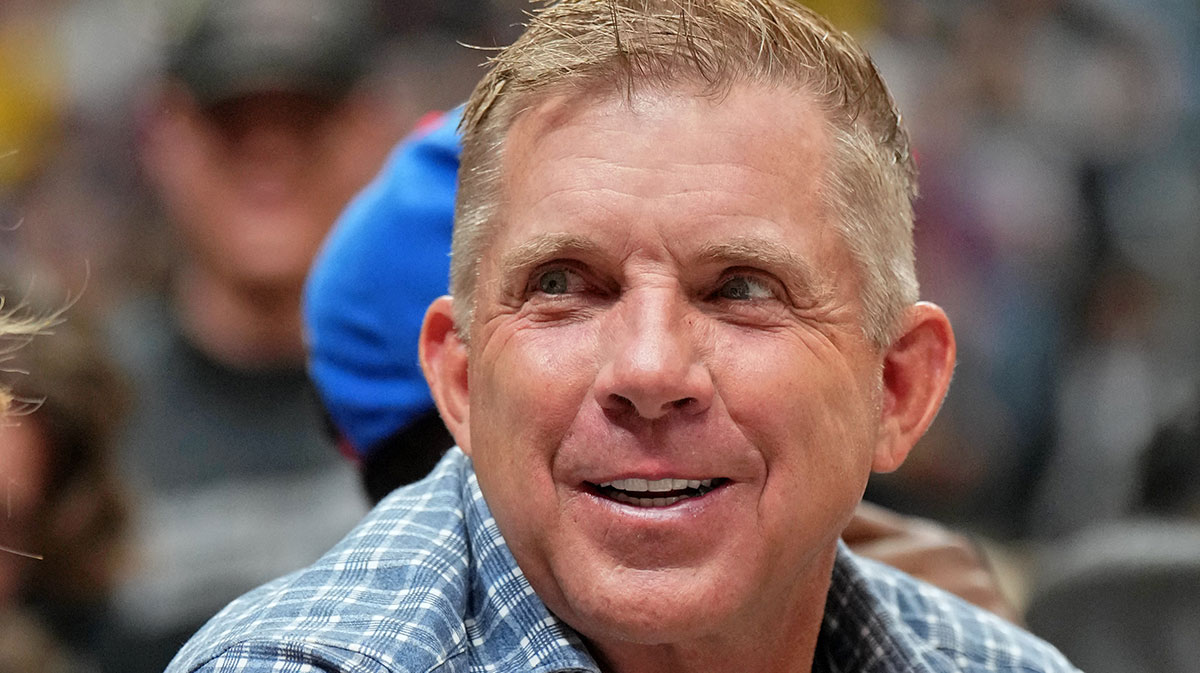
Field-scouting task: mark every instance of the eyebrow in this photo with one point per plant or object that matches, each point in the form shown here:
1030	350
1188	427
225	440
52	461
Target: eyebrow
546	247
800	276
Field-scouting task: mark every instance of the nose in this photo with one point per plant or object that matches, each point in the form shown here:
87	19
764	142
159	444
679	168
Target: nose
655	367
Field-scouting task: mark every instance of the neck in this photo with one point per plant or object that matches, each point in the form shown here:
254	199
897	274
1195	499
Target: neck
243	327
760	641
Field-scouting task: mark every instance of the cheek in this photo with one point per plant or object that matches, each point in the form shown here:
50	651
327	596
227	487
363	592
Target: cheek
527	388
808	413
529	384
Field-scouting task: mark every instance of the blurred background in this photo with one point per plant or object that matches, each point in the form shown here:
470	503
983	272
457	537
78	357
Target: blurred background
1059	225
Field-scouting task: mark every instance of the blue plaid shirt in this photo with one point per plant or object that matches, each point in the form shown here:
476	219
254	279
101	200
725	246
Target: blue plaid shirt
425	583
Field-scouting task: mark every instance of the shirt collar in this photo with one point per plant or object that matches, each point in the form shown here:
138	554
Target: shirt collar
858	633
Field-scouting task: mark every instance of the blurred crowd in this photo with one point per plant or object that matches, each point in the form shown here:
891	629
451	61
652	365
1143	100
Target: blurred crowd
172	184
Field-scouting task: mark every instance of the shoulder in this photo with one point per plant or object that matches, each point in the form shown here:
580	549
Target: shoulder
945	632
390	596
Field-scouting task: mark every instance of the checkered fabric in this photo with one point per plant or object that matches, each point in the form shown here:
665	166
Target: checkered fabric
880	620
426	584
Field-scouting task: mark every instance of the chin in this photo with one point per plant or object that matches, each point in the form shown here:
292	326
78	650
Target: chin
642	629
650	607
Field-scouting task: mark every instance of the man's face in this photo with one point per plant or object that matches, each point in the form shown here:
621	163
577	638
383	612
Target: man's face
253	184
666	302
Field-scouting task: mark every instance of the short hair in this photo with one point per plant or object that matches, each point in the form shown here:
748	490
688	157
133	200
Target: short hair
613	46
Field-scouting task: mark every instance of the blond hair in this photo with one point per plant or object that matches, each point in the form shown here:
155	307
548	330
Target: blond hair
15	329
613	46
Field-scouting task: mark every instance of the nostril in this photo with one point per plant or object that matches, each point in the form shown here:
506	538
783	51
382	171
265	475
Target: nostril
619	402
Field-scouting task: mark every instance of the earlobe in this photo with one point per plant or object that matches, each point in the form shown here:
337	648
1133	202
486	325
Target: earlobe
917	368
444	361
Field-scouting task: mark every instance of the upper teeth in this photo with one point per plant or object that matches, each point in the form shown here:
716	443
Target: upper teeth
656	485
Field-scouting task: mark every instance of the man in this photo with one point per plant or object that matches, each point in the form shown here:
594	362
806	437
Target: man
257	135
363	339
684	331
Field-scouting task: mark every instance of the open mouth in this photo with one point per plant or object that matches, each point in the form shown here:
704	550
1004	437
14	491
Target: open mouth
655	492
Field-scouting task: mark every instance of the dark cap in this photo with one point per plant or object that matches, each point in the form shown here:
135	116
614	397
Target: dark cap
231	48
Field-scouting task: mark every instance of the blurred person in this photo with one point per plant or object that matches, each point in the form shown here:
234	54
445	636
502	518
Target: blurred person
1027	115
597	265
1170	469
1108	411
61	538
1122	594
66	72
260	129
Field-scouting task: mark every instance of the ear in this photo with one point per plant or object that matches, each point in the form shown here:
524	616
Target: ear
916	374
444	361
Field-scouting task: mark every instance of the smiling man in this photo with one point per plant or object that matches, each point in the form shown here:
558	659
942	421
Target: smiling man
683	331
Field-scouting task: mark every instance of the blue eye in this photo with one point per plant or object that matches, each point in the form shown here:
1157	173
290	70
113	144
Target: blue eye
744	288
555	281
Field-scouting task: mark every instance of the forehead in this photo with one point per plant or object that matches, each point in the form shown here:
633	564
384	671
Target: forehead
753	161
748	124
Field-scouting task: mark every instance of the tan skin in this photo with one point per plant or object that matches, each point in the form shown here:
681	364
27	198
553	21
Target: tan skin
251	186
666	291
23	467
